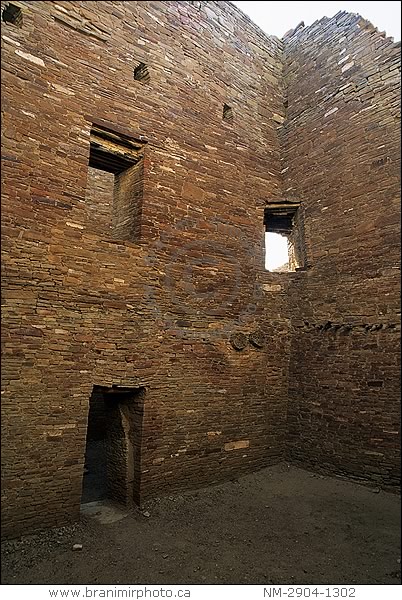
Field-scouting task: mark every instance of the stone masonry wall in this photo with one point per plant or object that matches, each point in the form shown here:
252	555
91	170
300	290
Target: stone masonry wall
81	308
341	159
225	351
99	201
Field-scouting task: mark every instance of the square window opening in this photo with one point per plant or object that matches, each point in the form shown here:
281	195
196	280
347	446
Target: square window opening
284	250
114	194
227	113
141	73
12	14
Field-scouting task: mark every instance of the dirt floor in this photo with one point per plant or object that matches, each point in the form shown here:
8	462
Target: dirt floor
281	525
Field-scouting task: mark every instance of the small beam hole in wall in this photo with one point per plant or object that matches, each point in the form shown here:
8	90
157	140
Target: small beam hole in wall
283	243
115	185
141	73
113	445
227	114
12	14
375	384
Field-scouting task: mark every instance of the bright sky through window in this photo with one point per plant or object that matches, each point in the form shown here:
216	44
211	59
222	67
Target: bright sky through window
276	250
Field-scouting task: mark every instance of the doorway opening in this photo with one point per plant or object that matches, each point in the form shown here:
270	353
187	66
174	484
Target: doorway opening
113	445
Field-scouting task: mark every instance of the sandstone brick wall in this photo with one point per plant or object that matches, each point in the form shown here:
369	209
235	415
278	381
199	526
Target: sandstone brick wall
184	307
99	201
81	308
341	156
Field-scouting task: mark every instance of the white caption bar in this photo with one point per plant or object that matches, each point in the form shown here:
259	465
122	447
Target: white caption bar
199	592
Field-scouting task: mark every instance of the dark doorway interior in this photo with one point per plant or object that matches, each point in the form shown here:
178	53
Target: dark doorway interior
113	445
